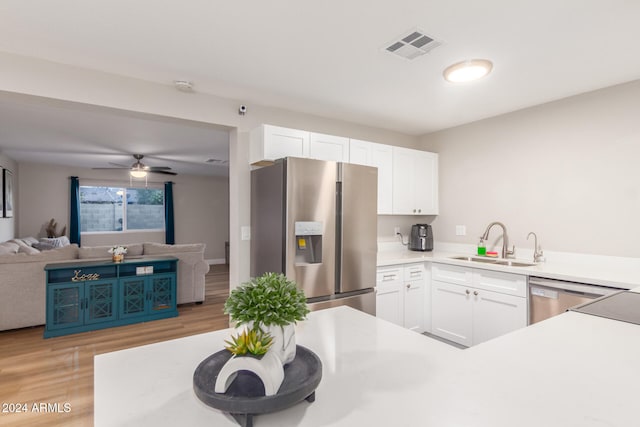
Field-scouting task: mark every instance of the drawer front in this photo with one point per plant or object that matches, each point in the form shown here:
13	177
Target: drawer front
414	272
452	274
504	283
389	275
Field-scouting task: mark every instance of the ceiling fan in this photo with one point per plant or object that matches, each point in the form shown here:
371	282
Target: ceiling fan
140	170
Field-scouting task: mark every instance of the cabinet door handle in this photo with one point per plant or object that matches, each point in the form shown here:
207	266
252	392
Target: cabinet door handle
475	293
408	285
467	291
419	210
414	211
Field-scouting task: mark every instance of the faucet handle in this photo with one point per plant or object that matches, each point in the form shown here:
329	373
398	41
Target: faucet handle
511	253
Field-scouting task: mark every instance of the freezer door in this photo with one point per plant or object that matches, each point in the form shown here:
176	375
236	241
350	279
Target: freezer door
358	222
311	202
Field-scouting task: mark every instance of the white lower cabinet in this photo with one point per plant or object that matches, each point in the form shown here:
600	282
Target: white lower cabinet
465	311
400	295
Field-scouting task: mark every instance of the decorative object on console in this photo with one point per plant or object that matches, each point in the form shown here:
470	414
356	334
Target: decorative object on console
7	193
118	253
52	229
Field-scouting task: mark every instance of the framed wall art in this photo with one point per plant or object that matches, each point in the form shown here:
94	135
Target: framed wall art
7	193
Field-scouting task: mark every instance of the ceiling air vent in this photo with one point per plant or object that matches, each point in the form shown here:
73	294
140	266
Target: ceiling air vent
413	44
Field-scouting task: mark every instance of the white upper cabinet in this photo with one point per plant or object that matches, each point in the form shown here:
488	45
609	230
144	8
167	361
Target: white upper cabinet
269	143
407	179
380	156
329	147
415	182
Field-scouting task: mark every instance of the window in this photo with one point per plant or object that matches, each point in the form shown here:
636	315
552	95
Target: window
103	209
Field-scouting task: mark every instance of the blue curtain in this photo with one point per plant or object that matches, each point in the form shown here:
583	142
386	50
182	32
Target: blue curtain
74	223
170	237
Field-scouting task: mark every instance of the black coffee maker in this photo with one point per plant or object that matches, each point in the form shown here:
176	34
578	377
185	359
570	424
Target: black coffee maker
421	238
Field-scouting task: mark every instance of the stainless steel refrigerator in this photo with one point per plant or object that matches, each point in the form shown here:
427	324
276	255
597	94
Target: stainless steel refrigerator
316	222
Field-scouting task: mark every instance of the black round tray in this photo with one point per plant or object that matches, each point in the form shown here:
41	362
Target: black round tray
245	396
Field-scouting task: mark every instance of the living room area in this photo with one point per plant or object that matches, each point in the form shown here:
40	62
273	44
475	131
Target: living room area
44	143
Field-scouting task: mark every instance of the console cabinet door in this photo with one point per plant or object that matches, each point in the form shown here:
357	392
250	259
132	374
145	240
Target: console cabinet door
162	293
133	297
100	301
65	305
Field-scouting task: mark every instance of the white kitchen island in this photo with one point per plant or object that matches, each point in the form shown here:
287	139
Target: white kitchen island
571	370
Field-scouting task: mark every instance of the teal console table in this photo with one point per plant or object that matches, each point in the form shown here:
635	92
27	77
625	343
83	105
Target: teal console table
84	296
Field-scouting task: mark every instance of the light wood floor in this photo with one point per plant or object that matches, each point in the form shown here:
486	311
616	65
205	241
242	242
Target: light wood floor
60	370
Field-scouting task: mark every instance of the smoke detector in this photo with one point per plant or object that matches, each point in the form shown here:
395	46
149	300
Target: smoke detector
183	85
412	44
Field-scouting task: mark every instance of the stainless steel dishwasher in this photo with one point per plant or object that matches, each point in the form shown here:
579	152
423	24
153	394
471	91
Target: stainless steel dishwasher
550	297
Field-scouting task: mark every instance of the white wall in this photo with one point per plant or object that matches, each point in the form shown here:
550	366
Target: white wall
568	170
8	226
201	205
42	78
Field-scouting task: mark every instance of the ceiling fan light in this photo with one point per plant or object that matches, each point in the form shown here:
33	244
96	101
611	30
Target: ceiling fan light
467	71
138	173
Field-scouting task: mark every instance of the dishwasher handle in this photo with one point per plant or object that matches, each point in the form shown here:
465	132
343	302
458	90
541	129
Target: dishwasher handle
571	287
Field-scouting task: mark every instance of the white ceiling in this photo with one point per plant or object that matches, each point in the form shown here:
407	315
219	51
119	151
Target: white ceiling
327	58
34	129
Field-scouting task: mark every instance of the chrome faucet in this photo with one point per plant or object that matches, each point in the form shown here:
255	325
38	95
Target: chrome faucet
538	255
506	253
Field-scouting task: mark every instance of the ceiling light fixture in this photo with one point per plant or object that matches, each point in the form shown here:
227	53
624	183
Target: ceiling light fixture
138	173
467	71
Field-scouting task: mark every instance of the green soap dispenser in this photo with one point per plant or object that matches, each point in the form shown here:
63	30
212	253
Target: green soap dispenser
482	249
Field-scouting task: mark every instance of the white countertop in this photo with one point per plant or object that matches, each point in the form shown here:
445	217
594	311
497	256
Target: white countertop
571	370
596	270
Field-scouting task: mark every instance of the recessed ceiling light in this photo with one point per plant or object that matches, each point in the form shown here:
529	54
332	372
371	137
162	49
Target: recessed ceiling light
467	71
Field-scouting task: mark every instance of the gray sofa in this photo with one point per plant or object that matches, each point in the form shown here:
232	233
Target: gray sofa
22	276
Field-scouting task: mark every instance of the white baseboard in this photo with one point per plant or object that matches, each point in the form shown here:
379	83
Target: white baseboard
215	261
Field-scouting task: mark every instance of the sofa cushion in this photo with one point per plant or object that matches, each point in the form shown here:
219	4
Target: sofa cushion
24	248
85	252
60	254
28	250
7	248
29	240
43	246
159	248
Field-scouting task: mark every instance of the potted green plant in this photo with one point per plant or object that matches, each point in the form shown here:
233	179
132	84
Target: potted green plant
272	304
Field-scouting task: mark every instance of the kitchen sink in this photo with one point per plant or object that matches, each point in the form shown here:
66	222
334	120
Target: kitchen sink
497	261
475	259
511	263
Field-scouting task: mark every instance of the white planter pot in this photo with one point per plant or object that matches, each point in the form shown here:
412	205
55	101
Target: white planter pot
284	340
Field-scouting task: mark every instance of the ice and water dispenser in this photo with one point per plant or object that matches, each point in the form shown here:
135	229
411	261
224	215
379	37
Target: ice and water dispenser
308	242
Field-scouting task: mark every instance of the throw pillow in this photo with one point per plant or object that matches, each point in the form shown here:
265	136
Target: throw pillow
57	242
